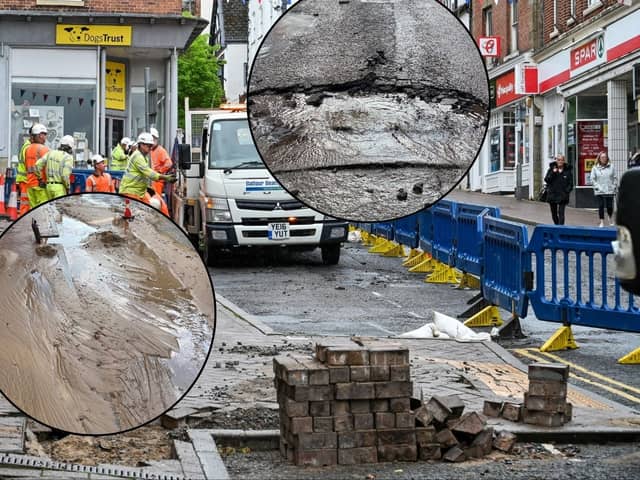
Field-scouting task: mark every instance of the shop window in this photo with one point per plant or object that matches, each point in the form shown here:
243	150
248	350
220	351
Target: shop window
591	106
65	107
494	150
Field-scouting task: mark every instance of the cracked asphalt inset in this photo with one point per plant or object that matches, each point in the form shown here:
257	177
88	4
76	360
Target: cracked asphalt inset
368	110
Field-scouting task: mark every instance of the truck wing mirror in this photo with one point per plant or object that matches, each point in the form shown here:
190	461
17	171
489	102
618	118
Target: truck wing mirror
627	247
184	156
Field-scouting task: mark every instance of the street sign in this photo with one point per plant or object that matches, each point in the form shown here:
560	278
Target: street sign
489	46
526	81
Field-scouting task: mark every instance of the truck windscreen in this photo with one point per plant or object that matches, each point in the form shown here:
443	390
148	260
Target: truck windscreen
231	145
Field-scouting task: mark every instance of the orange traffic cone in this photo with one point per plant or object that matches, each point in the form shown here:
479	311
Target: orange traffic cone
13	203
24	200
3	211
127	210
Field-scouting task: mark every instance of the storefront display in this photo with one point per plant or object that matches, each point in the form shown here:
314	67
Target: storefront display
591	141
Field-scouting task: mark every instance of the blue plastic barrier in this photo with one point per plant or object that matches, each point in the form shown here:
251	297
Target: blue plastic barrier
80	176
505	263
575	279
9	179
468	253
444	215
406	231
367	227
425	230
383	229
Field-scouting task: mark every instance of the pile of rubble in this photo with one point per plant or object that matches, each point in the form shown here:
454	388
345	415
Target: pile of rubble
353	404
545	403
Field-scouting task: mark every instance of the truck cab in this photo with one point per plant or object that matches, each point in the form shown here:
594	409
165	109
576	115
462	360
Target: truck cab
241	205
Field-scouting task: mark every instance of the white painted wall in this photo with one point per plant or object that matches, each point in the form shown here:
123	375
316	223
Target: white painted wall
262	15
234	71
206	7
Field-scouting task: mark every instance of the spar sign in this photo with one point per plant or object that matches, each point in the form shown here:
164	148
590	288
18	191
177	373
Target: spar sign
587	55
489	46
506	89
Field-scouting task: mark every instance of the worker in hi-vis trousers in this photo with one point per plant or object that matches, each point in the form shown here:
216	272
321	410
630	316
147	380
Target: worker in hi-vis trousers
58	165
139	173
21	175
32	155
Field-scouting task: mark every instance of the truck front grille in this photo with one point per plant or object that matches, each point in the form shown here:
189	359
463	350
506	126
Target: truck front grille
263	222
268	205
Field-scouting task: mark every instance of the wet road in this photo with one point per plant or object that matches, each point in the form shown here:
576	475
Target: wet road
366	294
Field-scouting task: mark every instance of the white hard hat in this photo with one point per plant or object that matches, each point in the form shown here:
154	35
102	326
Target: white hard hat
155	203
68	141
145	137
97	158
154	132
38	128
126	141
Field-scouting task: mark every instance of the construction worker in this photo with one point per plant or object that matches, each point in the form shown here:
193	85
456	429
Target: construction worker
99	180
156	201
139	174
58	165
32	154
21	175
160	160
119	155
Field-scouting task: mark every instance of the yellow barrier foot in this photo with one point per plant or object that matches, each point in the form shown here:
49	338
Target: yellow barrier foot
425	266
395	250
632	358
487	317
415	257
367	238
352	228
444	274
469	281
562	339
381	245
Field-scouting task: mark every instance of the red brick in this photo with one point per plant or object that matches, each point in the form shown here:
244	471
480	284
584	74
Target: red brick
323	424
339	374
316	458
318	372
399	373
380	405
405	420
365	438
363	421
393	389
385	420
360	373
399	404
379	373
360	406
290	370
343	423
353	456
320	409
388	356
357	391
397	453
397	436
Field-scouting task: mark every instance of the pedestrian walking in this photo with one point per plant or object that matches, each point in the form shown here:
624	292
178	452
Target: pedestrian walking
58	165
99	180
559	180
119	155
605	183
32	154
160	160
139	173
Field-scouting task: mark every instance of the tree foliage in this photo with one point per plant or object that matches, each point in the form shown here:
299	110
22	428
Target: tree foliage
198	77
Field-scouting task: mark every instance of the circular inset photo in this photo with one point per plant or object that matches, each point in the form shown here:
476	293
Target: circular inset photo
368	110
109	314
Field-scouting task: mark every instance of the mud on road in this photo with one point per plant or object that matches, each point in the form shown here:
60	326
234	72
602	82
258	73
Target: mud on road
104	329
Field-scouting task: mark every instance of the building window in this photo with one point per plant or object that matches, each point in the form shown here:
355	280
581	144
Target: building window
509	138
513	47
61	3
487	26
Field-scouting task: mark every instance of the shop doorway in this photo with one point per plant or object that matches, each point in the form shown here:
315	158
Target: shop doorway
115	131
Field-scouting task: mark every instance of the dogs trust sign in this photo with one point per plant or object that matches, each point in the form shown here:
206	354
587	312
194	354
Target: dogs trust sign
115	80
113	35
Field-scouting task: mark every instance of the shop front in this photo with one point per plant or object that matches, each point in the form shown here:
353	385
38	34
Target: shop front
98	77
591	82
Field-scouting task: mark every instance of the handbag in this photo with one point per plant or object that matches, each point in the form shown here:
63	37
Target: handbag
542	194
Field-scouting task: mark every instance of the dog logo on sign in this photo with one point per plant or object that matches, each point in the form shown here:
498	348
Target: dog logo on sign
75	33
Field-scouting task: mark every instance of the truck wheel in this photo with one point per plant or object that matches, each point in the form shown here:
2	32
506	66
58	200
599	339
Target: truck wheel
210	255
331	254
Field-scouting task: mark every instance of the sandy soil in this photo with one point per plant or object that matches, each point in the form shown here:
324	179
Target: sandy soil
103	334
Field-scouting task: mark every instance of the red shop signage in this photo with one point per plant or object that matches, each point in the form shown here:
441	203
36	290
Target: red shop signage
506	89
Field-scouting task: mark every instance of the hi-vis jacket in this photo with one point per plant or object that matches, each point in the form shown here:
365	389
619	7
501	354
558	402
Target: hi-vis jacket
138	176
59	165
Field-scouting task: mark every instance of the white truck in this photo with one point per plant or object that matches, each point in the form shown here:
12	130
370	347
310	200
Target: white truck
226	198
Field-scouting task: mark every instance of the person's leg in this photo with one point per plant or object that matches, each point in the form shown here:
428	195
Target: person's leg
554	212
601	201
561	207
610	209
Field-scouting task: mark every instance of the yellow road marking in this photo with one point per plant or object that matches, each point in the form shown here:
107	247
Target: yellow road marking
615	391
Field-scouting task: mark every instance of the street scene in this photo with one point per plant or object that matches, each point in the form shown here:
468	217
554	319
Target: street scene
378	116
492	335
111	318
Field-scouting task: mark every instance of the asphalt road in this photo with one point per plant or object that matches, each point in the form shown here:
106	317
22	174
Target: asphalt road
367	294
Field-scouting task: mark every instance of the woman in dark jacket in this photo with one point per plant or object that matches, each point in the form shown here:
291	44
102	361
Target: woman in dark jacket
559	180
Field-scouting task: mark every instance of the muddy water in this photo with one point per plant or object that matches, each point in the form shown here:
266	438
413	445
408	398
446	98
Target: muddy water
102	336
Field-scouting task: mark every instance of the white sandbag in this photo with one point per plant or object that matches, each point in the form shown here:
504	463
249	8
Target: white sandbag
354	236
428	330
444	327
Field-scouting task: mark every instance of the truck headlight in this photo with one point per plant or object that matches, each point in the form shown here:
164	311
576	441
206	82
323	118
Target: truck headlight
337	232
218	210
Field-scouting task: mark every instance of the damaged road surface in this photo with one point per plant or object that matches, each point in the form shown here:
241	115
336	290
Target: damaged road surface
105	327
368	110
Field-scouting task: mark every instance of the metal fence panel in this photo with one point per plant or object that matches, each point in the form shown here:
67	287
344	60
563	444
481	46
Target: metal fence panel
406	231
469	247
505	262
575	279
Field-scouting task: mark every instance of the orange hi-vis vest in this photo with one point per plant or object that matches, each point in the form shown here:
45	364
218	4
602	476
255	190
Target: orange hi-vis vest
101	183
34	152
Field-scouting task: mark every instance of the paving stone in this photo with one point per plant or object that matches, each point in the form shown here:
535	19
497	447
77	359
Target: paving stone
343	423
295	409
290	370
355	391
323	424
365	438
393	389
471	423
339	374
318	372
385	420
347	356
437	409
492	408
320	409
402	404
380	405
360	406
396	436
389	355
512	411
405	420
316	458
426	435
423	416
340	407
504	441
544	419
363	421
446	438
354	456
482	444
397	453
544	403
360	373
453	403
558	372
379	373
548	388
300	424
399	373
317	441
454	454
429	451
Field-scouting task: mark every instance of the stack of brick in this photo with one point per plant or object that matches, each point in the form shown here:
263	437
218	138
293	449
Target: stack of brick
350	404
545	403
